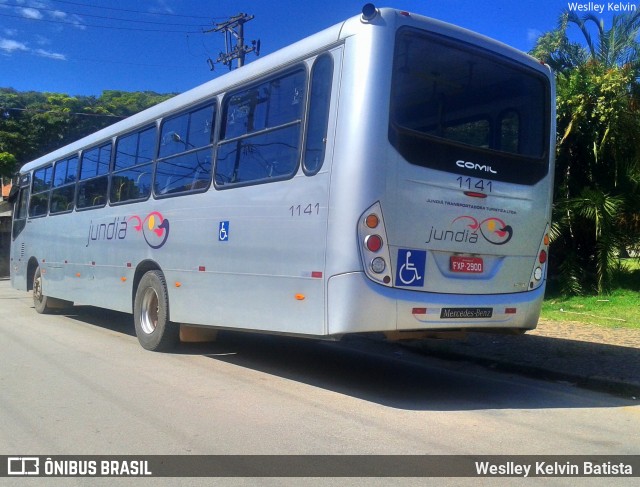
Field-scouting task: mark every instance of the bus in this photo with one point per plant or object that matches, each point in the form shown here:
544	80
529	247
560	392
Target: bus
392	173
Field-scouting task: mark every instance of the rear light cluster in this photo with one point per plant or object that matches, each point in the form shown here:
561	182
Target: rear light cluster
372	238
540	267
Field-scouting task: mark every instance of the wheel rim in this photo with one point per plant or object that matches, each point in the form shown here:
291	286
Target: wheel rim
149	311
37	288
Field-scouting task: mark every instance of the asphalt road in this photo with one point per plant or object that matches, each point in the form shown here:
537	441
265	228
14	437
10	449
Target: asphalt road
79	383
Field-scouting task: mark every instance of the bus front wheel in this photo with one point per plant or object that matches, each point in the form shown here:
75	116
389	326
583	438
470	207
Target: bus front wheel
40	302
151	314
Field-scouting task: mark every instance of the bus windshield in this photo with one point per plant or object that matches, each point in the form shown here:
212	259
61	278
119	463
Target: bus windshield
452	95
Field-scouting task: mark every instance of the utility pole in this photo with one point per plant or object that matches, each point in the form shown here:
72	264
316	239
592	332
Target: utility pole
234	27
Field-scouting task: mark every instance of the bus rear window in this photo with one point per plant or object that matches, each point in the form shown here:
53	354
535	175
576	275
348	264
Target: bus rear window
448	93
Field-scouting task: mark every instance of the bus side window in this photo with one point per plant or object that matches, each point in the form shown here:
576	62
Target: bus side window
187	131
131	179
64	185
261	132
184	167
318	118
94	177
39	202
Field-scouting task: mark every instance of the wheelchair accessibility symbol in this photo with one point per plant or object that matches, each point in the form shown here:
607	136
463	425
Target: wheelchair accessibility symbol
223	231
410	267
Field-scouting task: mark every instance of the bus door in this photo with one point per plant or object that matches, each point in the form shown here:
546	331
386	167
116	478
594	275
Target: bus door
20	199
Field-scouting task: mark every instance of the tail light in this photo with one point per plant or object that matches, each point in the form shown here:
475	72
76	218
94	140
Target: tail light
372	240
540	267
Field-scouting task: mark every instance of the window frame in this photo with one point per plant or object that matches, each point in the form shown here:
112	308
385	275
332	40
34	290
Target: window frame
213	103
33	193
106	176
300	67
114	173
65	186
325	116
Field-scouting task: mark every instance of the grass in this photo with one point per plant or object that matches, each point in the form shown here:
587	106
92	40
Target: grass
619	309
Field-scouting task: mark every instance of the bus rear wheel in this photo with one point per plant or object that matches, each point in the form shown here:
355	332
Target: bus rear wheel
151	314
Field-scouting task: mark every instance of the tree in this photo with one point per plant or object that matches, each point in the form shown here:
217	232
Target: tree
33	124
597	190
7	164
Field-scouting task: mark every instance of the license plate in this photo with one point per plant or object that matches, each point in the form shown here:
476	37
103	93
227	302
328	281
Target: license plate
469	265
465	313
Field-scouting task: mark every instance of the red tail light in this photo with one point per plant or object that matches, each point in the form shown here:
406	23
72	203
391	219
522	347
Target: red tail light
373	243
542	257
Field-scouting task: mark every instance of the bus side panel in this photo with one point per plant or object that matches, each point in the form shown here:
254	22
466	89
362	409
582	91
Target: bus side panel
268	271
256	257
86	264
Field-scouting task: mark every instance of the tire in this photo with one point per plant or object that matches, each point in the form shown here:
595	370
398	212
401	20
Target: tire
40	301
151	314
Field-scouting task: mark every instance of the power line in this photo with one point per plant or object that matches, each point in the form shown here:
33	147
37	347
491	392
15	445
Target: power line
128	63
134	11
100	16
83	24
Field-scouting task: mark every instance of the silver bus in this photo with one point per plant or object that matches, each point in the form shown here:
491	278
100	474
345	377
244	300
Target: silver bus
392	173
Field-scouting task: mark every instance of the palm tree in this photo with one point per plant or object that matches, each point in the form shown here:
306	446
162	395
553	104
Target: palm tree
615	47
598	150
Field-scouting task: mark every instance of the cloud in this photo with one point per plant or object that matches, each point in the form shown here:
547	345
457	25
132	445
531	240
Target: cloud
10	46
58	14
30	13
35	10
76	21
51	55
162	8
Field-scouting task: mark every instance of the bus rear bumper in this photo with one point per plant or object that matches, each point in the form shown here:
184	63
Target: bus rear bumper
356	304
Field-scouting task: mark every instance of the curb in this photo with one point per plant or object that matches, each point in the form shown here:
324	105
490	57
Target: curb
595	383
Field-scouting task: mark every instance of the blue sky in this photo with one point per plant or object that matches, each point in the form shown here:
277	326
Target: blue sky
83	47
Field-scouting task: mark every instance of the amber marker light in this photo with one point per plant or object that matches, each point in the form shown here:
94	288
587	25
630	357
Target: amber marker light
300	297
372	221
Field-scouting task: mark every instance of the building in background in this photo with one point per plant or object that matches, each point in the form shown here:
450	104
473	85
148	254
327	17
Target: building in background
5	227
